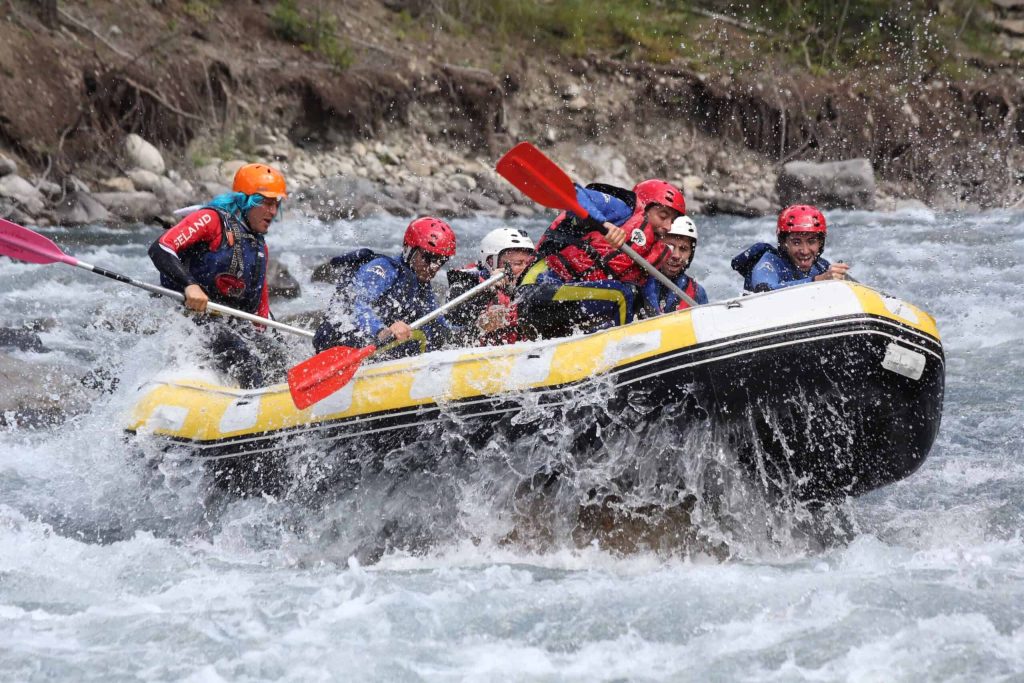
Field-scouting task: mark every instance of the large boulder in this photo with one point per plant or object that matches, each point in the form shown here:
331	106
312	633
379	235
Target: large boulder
22	192
846	184
7	166
143	155
130	206
599	164
280	282
81	208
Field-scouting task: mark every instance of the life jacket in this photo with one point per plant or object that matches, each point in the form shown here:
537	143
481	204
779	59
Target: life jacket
466	315
234	274
564	240
664	294
746	261
344	267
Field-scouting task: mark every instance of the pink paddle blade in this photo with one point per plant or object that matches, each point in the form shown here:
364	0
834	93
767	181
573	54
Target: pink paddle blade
25	245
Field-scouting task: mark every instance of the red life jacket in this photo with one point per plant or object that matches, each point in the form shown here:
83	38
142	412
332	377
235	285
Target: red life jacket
590	257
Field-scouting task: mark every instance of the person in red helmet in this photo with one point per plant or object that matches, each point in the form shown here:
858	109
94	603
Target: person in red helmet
581	282
587	250
801	231
384	294
218	253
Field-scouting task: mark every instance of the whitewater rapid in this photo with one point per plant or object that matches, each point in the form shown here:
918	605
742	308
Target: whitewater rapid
116	568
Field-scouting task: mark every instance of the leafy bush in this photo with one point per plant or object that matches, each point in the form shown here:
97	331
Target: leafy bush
317	34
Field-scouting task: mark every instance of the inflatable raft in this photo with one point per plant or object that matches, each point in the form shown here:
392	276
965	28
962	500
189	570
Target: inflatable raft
824	391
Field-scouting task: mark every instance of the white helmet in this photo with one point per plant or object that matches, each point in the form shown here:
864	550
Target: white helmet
684	226
500	239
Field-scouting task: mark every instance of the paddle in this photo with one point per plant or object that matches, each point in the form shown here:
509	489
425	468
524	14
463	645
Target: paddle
25	245
544	182
325	373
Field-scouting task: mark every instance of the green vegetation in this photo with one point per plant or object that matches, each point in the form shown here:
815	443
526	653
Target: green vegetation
312	30
200	10
821	35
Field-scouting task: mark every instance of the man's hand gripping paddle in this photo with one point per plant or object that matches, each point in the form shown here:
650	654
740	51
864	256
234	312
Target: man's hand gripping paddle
25	245
325	373
544	182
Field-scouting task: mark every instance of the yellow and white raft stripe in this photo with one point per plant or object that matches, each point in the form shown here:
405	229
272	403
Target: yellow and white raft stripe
203	412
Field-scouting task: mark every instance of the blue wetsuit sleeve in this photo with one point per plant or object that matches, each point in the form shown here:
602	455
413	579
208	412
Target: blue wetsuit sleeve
603	207
369	284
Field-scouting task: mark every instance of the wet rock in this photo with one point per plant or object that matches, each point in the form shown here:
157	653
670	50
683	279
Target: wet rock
846	184
711	203
118	184
280	282
23	193
81	208
21	339
39	394
144	180
209	173
143	155
131	206
477	202
7	166
601	164
49	190
228	169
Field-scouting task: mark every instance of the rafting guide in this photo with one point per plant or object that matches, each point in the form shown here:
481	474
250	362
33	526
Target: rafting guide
218	253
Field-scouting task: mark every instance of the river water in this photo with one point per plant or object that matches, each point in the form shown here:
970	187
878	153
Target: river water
113	569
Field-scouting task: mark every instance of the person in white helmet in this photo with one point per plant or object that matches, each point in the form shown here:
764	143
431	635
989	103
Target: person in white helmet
490	318
681	244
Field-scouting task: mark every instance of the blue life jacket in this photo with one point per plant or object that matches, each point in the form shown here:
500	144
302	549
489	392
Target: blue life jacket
235	273
764	268
659	299
381	291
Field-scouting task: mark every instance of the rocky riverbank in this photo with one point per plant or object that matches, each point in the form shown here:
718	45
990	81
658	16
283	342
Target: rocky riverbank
97	126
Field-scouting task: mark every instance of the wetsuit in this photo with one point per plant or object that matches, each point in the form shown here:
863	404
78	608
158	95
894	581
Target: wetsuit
382	292
765	268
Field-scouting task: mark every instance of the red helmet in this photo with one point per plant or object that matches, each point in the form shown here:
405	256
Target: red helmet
801	218
430	234
658	192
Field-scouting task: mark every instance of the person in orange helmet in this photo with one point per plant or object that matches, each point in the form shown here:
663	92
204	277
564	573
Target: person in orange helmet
218	253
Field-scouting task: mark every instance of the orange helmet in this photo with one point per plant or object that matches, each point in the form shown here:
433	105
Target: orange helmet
260	179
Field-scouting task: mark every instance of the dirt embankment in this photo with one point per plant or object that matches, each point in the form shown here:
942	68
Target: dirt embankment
209	82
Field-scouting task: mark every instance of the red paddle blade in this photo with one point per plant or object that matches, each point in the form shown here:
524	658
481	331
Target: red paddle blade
25	245
317	378
539	178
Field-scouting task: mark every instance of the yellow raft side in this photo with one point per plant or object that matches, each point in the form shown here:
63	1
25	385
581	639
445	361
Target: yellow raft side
201	411
875	303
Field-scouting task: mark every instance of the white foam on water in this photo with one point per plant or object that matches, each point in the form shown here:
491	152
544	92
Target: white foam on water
116	565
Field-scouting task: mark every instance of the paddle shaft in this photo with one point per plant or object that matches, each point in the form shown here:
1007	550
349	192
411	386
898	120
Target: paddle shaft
457	301
162	291
657	274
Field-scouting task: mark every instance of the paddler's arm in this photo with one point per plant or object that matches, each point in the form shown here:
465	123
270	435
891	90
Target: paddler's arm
199	228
